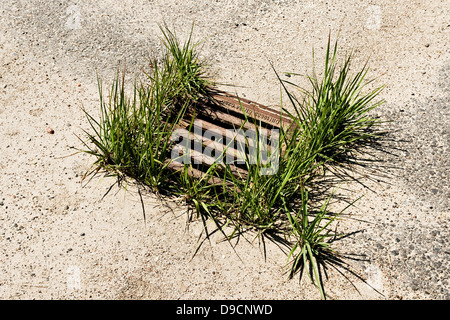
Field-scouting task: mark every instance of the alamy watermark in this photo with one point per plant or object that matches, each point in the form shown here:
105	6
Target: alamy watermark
73	278
74	18
230	146
374	20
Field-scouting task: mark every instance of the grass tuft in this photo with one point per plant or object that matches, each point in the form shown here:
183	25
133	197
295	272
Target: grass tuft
133	139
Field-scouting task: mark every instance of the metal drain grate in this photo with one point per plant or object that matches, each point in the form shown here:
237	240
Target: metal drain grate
229	129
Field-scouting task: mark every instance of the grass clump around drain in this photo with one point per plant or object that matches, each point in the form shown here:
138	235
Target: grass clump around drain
133	138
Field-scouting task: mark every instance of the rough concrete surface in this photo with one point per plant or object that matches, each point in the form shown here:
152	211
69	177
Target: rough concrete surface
60	240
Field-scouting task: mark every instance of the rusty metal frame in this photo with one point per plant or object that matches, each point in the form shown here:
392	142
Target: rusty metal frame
218	112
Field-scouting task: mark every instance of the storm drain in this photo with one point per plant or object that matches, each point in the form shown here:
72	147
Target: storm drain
229	130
